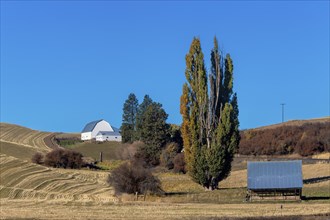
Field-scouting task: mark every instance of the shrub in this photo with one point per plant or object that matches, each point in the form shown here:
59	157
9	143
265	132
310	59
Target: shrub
175	135
127	151
150	154
179	163
60	158
67	141
168	154
37	158
132	177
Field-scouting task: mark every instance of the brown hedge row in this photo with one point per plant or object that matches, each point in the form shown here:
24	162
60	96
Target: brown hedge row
307	139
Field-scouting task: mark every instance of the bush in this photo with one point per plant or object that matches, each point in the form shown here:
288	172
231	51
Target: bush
168	154
37	158
179	163
127	151
150	154
132	177
60	158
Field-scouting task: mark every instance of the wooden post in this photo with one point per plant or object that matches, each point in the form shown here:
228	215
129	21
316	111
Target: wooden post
101	157
136	196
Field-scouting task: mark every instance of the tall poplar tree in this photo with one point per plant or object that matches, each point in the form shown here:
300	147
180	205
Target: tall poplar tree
128	127
210	118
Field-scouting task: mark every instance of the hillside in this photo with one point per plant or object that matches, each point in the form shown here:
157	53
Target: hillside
20	179
36	192
304	137
24	180
110	150
18	135
294	123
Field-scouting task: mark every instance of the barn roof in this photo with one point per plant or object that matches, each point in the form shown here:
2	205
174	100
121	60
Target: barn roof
90	126
108	133
275	175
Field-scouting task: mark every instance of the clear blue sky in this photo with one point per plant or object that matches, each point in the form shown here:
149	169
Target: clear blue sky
64	64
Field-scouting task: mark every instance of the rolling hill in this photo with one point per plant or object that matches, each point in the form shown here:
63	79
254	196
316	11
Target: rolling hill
23	180
20	179
304	137
32	191
23	137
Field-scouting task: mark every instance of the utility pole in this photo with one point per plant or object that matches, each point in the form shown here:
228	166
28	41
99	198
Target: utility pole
282	111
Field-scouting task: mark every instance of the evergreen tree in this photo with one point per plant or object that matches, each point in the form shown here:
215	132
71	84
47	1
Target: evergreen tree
147	101
128	128
210	119
154	133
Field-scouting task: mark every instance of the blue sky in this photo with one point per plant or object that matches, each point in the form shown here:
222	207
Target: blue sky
64	64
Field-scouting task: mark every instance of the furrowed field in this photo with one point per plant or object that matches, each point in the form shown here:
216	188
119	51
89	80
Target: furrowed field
30	191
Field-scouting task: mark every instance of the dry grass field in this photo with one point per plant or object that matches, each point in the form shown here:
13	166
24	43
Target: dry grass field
24	180
14	134
150	210
30	191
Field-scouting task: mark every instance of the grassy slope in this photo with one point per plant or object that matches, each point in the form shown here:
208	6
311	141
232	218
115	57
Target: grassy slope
110	150
22	143
20	179
295	123
16	150
22	136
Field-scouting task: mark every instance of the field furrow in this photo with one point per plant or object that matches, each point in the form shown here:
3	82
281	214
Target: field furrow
23	136
24	180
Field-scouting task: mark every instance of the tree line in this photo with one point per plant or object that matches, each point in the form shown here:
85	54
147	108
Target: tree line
306	139
146	122
209	130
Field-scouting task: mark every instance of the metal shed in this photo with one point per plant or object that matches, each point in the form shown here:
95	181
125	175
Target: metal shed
274	179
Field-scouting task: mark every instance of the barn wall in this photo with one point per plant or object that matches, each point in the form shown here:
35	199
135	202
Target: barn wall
86	136
108	138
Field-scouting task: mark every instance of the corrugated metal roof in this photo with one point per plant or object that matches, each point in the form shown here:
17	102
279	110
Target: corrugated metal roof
115	129
275	175
90	126
108	133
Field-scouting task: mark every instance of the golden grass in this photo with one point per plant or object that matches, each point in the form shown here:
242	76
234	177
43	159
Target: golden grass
316	170
36	192
324	156
24	180
18	151
295	123
14	134
145	210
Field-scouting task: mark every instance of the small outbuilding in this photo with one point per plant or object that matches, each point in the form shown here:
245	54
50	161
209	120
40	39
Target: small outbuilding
274	180
108	136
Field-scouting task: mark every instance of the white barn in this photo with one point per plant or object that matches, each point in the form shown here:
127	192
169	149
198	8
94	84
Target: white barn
92	129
